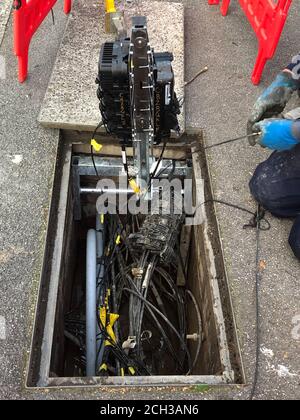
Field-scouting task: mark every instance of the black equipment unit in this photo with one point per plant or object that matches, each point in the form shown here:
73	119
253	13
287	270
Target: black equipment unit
115	96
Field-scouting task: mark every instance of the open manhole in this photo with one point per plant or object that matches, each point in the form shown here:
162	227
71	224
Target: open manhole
183	335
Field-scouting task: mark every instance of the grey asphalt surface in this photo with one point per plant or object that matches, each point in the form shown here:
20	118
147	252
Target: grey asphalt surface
218	101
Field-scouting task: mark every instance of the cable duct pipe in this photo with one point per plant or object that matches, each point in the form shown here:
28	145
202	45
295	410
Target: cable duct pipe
91	303
100	273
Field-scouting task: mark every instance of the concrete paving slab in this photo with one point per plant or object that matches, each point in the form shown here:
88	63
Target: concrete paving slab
71	101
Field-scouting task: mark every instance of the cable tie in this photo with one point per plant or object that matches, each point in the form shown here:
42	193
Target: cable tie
96	146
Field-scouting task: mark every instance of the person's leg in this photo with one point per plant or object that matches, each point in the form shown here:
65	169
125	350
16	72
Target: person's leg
294	239
276	183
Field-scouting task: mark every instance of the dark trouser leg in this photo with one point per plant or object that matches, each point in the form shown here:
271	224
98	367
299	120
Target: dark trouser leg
276	183
294	239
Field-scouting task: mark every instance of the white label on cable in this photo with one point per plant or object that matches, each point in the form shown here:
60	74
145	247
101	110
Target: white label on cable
124	158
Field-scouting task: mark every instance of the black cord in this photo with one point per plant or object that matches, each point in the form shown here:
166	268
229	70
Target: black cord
53	17
232	140
149	305
258	217
257	284
94	164
254	222
181	263
160	158
135	290
92	150
119	352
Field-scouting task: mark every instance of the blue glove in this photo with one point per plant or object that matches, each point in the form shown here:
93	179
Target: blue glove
274	99
277	134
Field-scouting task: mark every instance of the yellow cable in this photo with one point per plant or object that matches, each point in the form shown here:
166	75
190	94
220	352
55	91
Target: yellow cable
110	329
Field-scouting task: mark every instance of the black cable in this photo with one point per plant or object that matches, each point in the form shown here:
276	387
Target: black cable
182	263
92	150
123	229
141	313
166	339
160	158
163	170
118	351
232	140
257	314
199	319
158	298
171	349
177	298
257	217
53	17
181	101
166	320
94	164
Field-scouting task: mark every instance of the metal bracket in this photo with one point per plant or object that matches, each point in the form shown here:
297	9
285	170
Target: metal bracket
82	165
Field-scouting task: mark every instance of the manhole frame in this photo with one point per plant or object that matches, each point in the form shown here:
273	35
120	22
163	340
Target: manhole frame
46	381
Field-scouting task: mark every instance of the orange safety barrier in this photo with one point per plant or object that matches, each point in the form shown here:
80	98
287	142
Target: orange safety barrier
267	18
28	16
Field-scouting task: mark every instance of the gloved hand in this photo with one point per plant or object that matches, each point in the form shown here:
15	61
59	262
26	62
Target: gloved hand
273	100
277	134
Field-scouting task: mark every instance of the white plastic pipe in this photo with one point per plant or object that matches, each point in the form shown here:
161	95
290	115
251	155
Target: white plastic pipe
100	273
91	303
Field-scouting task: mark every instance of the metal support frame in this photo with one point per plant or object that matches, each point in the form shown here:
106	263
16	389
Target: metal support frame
141	97
82	165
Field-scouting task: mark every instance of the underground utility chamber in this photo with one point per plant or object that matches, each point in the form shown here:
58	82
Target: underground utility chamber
163	321
133	289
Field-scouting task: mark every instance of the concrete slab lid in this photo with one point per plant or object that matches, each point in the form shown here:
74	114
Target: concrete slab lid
70	101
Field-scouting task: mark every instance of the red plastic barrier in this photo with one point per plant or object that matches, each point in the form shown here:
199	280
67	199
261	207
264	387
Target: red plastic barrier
267	18
28	16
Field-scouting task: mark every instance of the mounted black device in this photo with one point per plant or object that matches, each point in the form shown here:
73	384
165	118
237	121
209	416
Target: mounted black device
136	88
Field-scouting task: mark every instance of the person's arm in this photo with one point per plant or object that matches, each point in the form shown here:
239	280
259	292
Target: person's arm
274	99
278	134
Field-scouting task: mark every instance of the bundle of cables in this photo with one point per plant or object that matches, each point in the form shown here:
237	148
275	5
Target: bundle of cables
142	312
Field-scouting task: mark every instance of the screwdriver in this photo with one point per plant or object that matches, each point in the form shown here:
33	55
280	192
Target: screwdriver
233	140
